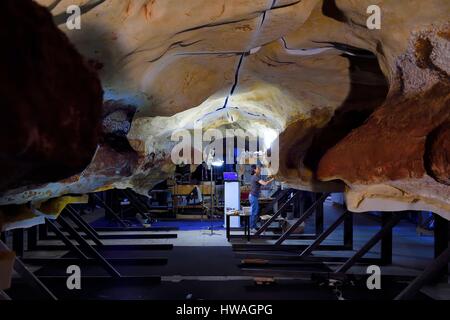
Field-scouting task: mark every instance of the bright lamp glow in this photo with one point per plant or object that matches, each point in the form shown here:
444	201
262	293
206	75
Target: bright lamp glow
269	136
217	163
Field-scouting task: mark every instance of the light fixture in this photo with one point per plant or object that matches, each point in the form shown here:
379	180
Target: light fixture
217	163
269	136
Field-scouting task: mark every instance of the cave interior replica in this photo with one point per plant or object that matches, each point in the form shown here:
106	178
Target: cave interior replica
109	108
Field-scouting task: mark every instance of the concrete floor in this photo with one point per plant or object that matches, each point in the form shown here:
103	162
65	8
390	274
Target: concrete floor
411	252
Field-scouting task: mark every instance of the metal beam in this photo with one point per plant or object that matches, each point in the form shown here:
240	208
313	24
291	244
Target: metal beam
427	276
85	245
4	296
29	277
42	231
369	244
111	211
276	214
386	241
18	242
305	216
348	230
3	236
319	217
71	246
32	238
83	228
313	246
81	219
142	229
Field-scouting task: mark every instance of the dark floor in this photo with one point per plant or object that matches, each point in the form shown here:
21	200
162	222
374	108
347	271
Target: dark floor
201	266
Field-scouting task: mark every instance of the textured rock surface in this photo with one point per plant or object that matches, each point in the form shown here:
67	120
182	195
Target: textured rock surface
51	101
362	110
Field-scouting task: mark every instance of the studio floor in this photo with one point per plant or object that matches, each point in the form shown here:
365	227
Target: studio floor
203	265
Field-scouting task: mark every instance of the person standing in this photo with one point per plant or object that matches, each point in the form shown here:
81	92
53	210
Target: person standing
255	191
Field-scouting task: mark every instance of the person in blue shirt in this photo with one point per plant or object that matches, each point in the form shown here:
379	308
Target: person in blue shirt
255	191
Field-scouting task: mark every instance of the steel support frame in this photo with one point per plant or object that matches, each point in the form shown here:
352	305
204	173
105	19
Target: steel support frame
277	214
83	256
426	277
18	242
96	237
438	268
32	237
313	246
386	230
303	218
110	210
319	217
88	248
29	277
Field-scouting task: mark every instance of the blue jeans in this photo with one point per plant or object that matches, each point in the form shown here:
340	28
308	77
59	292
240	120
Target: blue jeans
254	210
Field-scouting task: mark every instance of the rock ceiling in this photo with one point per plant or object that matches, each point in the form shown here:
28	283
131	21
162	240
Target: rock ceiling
361	111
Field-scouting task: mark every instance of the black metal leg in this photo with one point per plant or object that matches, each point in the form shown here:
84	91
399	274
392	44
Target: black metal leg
247	225
3	236
32	238
228	226
319	217
110	211
348	230
29	277
84	222
324	235
373	241
277	214
386	241
18	242
84	244
305	216
54	228
82	227
4	296
427	276
42	231
441	241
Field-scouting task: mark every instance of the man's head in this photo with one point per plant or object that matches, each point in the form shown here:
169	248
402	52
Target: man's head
256	169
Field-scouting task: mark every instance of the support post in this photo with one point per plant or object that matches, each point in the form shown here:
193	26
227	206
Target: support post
305	216
109	210
54	228
32	238
82	227
85	245
29	277
42	231
4	296
348	230
319	216
427	276
276	214
441	239
394	219
324	235
18	242
84	222
386	241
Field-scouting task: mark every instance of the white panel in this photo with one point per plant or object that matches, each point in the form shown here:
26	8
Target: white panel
232	201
